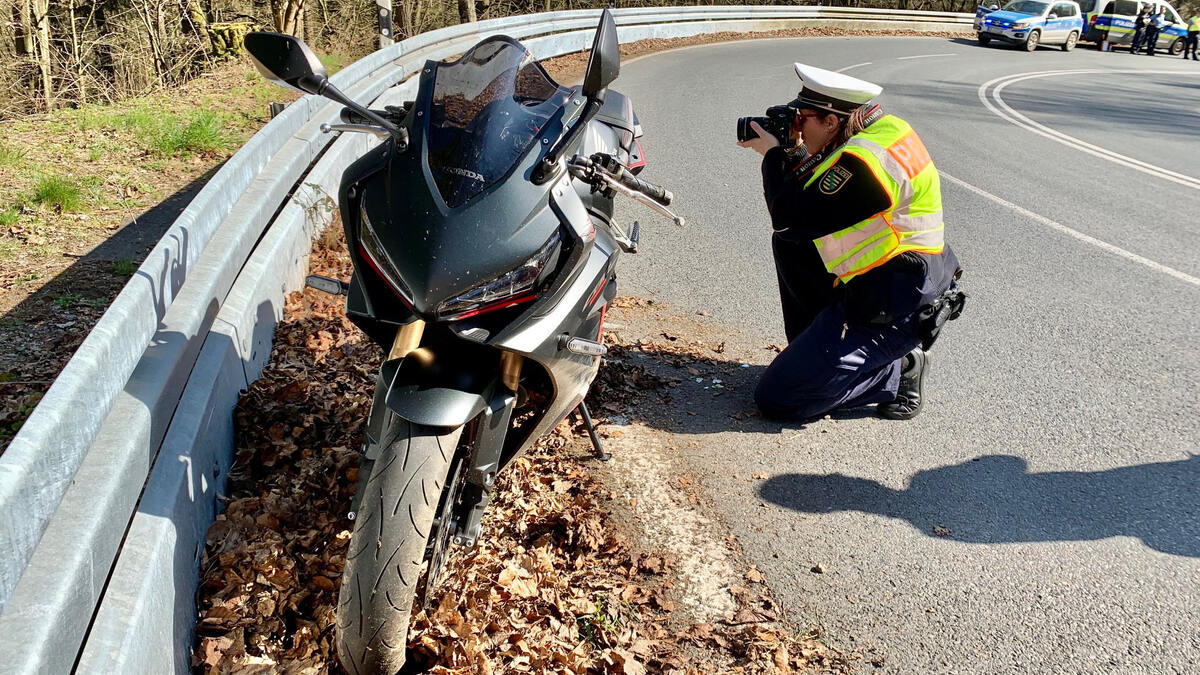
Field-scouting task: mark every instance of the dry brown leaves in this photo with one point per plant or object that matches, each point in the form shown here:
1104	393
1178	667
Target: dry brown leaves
553	586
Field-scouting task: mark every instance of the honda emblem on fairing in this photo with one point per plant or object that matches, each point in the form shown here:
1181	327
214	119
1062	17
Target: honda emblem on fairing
467	173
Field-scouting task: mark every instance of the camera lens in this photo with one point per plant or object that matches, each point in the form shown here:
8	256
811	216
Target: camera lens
744	130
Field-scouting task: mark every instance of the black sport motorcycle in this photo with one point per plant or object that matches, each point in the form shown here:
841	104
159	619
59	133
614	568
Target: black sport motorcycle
484	247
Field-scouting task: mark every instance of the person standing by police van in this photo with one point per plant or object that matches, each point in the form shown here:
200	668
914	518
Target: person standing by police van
1139	29
866	279
1193	36
1153	27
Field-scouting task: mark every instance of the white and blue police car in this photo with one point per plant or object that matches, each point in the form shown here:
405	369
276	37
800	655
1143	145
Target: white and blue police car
1030	23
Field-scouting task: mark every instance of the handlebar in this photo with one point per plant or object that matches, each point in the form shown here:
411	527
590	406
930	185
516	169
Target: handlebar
605	172
655	192
395	114
623	176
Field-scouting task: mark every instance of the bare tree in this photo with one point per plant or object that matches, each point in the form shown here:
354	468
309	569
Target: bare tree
466	11
288	16
41	24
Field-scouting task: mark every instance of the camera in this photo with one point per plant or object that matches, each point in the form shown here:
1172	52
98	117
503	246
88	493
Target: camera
778	123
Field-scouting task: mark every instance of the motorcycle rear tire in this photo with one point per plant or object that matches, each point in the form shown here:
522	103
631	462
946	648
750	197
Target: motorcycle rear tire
387	553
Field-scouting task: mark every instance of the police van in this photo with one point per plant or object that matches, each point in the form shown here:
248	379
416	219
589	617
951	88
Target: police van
1030	23
1113	20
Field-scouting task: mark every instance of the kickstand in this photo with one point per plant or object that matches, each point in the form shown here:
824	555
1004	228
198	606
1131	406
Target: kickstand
591	429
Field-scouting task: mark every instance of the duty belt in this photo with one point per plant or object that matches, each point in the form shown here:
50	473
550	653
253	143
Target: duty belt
946	307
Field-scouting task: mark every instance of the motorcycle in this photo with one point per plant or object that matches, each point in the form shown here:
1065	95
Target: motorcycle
484	246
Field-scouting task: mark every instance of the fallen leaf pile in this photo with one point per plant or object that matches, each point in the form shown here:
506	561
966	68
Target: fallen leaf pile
554	585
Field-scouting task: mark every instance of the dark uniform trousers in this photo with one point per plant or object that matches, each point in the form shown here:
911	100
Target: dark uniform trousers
1151	39
836	363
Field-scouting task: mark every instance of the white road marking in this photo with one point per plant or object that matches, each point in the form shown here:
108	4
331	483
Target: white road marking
1088	239
1003	110
922	56
857	65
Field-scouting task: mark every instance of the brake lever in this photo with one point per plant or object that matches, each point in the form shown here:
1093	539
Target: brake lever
361	128
613	184
588	170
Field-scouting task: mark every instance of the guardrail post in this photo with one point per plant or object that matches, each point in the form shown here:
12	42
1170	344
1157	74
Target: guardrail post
385	23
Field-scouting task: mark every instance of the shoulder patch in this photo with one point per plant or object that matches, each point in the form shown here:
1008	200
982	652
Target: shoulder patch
834	179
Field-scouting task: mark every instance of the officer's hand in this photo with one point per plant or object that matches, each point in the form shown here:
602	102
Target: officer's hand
762	143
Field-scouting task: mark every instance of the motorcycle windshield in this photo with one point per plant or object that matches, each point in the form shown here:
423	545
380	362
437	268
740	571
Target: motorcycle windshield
487	109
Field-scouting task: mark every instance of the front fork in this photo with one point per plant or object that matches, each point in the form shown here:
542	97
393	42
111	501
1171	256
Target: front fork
487	443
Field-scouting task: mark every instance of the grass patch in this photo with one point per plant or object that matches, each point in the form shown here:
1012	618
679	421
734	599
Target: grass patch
65	301
124	267
205	132
170	136
159	132
58	192
9	216
335	62
11	156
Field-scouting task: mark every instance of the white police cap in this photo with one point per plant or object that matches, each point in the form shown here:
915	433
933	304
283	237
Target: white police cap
835	92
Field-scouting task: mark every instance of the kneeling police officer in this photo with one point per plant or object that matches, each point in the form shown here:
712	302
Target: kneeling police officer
865	277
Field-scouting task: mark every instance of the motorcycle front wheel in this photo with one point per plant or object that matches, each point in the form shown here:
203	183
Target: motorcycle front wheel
393	530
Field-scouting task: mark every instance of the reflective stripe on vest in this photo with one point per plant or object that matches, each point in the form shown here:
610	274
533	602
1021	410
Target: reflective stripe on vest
913	221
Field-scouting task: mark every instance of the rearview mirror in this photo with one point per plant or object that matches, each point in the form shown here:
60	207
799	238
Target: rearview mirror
605	61
286	60
1052	16
993	7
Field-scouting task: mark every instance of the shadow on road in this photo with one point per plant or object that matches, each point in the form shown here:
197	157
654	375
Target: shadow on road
995	499
990	499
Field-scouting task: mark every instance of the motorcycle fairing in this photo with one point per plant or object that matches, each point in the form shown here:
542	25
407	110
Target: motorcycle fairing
441	250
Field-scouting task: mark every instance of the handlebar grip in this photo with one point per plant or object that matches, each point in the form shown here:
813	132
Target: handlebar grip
658	194
350	117
394	114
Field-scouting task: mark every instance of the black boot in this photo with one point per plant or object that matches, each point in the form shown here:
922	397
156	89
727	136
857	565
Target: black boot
908	399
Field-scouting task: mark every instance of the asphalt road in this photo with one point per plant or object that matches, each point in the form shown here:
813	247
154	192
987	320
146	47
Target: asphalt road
1043	513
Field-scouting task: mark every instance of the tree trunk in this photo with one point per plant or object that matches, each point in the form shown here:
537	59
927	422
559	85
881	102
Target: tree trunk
466	11
288	15
41	19
198	20
23	38
76	56
104	52
143	11
406	18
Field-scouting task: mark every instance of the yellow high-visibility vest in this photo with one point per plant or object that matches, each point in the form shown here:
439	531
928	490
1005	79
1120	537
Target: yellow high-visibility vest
1194	24
913	222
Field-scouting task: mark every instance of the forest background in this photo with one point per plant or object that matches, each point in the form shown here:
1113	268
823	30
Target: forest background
64	53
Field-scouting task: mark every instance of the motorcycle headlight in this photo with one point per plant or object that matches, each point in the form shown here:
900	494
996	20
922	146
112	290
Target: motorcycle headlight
512	288
372	251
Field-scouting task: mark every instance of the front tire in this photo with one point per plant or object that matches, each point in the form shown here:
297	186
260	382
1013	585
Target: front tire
387	554
1070	43
1176	47
1031	42
984	39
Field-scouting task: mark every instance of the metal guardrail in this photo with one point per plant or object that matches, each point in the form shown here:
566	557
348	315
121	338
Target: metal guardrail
107	491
